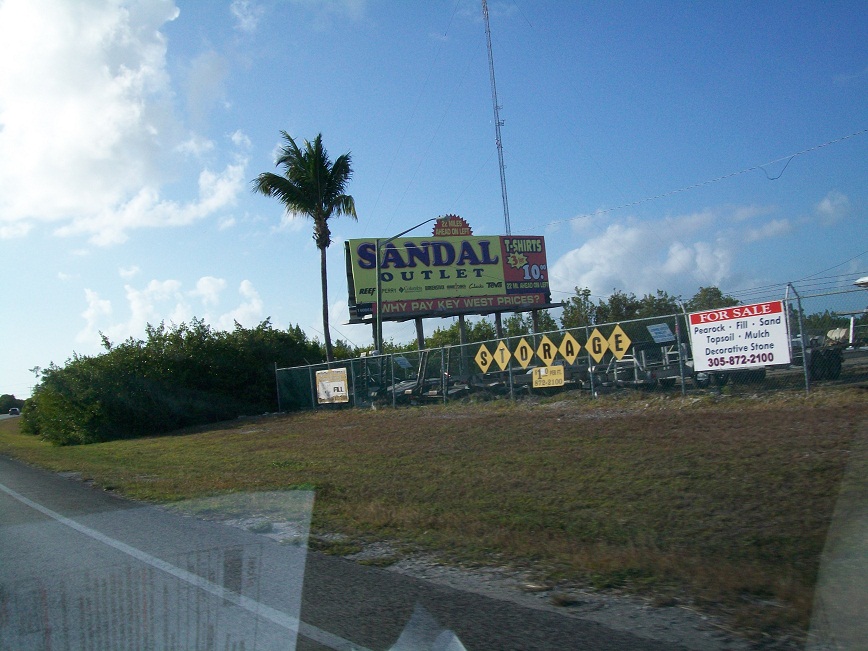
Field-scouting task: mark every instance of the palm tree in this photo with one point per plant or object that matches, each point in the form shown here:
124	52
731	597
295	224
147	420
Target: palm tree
313	186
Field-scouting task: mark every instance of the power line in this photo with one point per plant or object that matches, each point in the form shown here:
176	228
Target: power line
834	267
717	179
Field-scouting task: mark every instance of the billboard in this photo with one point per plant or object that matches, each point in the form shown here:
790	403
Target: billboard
739	337
451	272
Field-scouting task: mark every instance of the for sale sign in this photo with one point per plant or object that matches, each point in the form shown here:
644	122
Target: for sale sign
742	336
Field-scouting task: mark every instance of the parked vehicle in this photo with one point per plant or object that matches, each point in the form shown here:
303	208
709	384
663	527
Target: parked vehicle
825	356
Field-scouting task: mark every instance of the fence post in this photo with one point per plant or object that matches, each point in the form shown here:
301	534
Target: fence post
509	369
312	380
806	354
680	355
277	386
392	371
444	379
590	363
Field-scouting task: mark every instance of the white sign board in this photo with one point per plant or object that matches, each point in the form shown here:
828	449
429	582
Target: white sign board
737	337
331	386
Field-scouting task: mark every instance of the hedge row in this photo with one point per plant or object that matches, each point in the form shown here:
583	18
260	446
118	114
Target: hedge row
177	377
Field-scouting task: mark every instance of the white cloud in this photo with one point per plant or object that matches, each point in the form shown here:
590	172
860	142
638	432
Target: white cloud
248	313
146	209
195	146
97	309
85	100
82	91
128	272
208	289
14	230
745	213
158	301
240	140
774	228
324	10
205	85
247	15
673	255
165	301
833	208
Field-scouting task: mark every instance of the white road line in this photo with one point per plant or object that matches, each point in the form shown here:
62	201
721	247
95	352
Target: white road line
259	609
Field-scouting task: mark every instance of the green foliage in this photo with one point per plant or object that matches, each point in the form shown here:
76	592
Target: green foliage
481	330
708	298
520	325
8	401
179	376
659	304
822	322
343	350
580	310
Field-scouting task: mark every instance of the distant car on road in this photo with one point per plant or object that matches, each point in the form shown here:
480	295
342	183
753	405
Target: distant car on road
15	411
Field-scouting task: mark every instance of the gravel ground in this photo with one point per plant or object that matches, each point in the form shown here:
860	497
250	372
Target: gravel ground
675	624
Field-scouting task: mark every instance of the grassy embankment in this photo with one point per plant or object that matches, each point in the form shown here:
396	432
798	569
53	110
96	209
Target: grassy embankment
722	504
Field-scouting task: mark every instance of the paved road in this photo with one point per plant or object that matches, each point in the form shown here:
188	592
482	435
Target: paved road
83	569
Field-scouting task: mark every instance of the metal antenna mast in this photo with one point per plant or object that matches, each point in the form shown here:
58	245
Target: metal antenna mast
497	121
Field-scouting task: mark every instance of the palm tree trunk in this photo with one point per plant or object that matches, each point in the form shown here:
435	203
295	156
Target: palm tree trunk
325	304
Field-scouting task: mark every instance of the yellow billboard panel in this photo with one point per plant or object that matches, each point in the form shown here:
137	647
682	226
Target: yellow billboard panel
443	275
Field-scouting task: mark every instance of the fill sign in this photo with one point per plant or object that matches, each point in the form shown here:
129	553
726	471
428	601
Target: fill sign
742	336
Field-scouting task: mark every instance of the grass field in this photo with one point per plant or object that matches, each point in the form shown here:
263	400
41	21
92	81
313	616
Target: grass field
719	502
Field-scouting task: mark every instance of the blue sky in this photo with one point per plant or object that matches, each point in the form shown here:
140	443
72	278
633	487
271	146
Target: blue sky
130	132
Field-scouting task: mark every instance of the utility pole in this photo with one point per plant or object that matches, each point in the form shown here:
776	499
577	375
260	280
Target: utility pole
497	121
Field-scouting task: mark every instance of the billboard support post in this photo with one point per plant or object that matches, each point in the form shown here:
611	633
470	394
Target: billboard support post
378	325
420	333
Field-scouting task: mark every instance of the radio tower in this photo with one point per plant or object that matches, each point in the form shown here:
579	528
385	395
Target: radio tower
497	121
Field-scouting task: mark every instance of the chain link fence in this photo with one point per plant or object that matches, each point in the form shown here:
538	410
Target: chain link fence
827	344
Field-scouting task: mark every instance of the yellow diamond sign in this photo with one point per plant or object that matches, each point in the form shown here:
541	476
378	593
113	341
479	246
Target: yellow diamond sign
569	348
523	353
619	342
483	358
546	350
596	345
502	355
